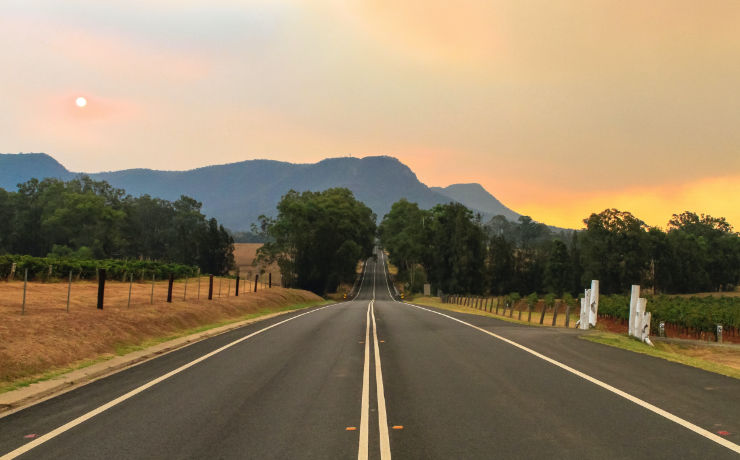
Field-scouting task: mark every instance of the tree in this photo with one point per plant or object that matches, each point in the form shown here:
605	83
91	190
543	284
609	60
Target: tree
529	232
557	269
318	237
455	255
217	254
701	253
576	266
402	233
500	266
705	225
614	250
6	220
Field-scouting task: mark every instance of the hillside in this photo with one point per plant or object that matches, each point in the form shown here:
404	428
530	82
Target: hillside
475	196
17	168
237	193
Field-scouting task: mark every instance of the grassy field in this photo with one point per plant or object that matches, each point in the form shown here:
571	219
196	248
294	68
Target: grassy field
48	339
244	257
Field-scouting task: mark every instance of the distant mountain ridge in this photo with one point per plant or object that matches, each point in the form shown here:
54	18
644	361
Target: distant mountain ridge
237	193
475	196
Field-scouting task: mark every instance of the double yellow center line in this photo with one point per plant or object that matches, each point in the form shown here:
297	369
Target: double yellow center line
385	446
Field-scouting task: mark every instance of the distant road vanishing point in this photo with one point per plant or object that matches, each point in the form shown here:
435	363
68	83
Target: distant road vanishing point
377	378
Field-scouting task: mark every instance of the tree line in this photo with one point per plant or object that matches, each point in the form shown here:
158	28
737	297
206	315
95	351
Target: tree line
450	247
88	219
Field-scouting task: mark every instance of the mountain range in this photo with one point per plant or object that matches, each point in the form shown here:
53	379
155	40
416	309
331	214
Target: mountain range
237	193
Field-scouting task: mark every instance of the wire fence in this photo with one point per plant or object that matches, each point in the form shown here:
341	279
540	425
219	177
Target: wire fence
127	291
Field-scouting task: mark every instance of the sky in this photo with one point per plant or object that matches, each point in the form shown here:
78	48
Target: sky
559	109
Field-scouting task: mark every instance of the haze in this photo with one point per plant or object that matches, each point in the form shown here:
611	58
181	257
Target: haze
559	109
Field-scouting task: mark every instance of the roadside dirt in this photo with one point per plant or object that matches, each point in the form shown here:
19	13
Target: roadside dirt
46	337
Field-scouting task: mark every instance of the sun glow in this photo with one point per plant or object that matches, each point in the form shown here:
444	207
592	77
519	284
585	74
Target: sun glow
81	101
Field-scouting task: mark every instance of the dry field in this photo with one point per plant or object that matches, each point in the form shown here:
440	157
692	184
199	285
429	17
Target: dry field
46	337
244	256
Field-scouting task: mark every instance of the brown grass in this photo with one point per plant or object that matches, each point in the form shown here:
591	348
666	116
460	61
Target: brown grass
726	355
46	337
245	255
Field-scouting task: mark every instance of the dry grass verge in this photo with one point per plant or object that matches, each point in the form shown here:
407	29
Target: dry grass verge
723	360
47	340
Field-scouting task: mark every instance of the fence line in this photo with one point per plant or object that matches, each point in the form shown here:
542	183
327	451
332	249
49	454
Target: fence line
493	304
122	292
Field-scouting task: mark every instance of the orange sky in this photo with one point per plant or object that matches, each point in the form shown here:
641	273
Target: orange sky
559	108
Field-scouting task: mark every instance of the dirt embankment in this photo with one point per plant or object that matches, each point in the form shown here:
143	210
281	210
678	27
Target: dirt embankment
46	337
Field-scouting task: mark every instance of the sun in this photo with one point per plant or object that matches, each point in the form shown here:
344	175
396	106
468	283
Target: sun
81	102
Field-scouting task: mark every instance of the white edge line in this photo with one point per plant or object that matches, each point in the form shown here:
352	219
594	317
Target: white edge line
362	281
657	410
385	445
362	449
87	416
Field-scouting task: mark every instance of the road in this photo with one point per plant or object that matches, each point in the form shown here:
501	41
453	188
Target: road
375	378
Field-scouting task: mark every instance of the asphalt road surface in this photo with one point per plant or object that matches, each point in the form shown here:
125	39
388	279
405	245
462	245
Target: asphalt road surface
375	378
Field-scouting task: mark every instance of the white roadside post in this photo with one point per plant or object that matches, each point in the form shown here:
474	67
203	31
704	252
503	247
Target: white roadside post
646	328
633	306
585	307
642	321
638	317
593	303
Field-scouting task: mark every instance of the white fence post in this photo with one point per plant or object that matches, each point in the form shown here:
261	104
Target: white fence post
642	319
645	337
640	306
593	303
585	308
633	306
